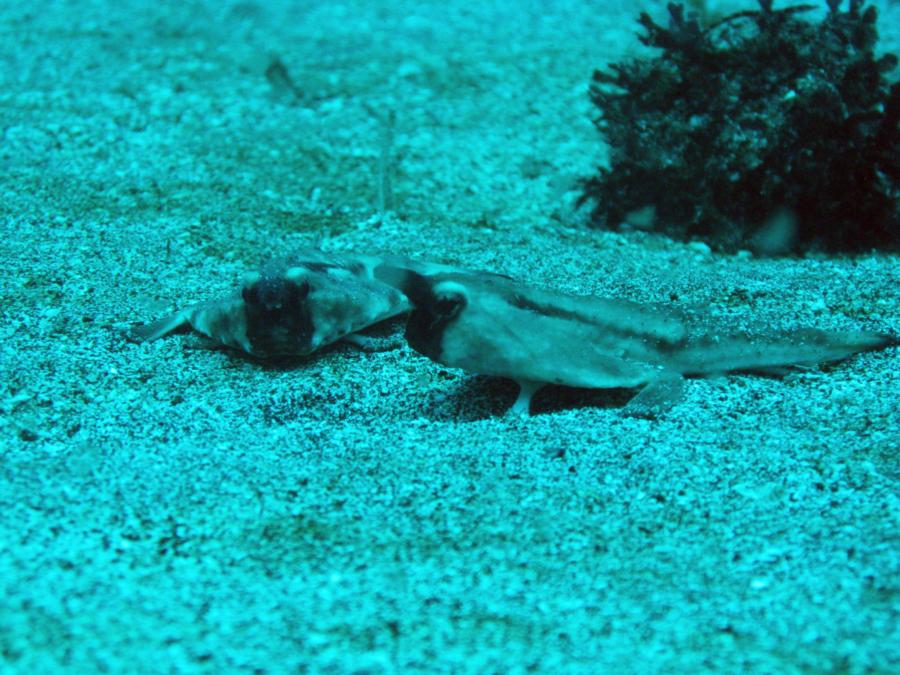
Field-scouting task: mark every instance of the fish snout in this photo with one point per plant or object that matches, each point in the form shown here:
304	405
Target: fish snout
278	318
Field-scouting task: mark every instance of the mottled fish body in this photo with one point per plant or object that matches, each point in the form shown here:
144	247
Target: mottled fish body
537	337
292	307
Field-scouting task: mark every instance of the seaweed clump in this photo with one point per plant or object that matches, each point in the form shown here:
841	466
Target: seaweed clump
761	123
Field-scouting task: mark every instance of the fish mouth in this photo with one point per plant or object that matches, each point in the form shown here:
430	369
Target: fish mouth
277	315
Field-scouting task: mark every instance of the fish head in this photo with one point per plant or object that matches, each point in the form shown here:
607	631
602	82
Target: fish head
277	314
295	310
437	304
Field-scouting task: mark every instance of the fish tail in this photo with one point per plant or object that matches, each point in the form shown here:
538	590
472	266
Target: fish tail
805	347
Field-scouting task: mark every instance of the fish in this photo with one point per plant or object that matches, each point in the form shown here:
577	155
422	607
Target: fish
295	306
500	327
292	307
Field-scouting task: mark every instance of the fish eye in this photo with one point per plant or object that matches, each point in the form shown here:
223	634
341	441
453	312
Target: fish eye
274	294
449	306
250	294
301	291
266	294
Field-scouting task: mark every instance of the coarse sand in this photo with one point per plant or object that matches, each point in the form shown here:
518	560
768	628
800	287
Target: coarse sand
167	508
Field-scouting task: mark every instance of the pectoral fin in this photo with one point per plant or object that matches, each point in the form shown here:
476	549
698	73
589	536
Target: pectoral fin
154	330
527	389
657	398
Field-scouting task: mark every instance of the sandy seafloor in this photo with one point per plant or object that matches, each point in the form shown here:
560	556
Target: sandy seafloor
173	509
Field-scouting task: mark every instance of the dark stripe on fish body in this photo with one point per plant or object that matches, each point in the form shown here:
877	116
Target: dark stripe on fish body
521	302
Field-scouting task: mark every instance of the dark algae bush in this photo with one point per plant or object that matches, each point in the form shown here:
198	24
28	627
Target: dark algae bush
762	130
